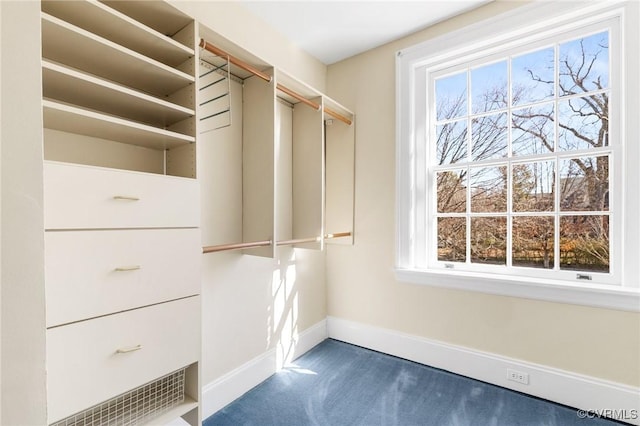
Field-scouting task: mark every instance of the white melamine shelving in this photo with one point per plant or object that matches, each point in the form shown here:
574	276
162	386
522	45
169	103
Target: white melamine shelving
172	415
159	15
289	159
79	88
119	100
67	118
339	139
119	28
101	57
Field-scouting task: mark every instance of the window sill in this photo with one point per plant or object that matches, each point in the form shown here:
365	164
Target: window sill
600	296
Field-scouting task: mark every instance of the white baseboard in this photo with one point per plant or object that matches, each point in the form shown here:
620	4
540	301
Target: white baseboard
235	383
564	387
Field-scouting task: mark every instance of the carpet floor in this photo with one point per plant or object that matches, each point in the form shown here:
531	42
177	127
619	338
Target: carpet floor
338	384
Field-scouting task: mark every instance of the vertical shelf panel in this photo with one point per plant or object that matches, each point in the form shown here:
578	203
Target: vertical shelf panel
284	171
181	161
340	180
308	172
258	162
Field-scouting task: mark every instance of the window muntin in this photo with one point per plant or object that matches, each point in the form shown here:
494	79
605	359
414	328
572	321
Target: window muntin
521	160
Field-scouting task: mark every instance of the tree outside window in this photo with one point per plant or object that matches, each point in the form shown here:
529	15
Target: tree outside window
521	159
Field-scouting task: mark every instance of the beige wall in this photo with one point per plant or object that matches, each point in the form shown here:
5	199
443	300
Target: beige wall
360	279
23	322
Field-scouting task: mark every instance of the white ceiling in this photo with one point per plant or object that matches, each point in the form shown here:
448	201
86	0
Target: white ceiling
335	30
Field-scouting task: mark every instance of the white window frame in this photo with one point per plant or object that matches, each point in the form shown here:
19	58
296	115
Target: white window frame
543	20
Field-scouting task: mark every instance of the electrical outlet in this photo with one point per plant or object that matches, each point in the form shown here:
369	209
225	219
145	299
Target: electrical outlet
518	376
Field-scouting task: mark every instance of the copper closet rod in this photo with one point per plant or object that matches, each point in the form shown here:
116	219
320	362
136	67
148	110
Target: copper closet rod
266	77
255	244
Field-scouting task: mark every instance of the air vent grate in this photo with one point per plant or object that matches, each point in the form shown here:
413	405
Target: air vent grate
133	407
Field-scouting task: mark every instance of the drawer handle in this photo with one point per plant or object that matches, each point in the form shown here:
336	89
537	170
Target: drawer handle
125	197
127	268
127	350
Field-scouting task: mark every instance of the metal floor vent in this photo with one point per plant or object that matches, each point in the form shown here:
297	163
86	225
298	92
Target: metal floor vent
134	407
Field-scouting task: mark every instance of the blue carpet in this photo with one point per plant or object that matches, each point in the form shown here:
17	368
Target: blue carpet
337	384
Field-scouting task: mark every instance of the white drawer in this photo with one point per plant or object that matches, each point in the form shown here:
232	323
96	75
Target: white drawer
83	364
94	273
84	197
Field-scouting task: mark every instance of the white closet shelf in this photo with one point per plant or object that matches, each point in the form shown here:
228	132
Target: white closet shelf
85	90
159	15
104	58
335	106
117	27
71	119
301	88
179	410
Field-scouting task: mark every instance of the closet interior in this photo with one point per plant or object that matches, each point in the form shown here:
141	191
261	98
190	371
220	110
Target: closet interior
287	148
155	146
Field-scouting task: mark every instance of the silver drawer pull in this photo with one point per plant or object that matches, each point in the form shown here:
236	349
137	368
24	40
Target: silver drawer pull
127	268
125	197
127	350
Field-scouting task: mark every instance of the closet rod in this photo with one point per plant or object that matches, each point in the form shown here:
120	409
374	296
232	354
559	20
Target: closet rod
312	239
219	52
298	241
337	235
301	98
266	77
236	246
338	116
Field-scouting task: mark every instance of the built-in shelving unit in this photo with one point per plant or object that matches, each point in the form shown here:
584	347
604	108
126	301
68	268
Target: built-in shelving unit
112	25
104	58
119	84
297	163
58	116
339	160
79	88
122	204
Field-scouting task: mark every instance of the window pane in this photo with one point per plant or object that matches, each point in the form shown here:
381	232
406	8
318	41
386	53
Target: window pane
451	96
532	186
489	240
489	189
532	77
452	191
584	184
533	242
584	64
533	130
489	137
452	239
451	142
584	243
489	87
583	123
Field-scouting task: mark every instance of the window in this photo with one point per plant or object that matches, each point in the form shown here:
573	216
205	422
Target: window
515	169
520	156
